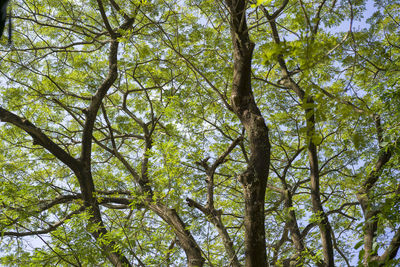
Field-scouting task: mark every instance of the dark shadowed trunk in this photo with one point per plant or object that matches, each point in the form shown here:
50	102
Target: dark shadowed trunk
254	179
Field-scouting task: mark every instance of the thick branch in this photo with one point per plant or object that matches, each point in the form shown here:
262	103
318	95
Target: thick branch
39	138
214	216
96	102
186	240
105	19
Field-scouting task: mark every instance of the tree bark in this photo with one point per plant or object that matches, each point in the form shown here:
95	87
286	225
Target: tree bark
254	179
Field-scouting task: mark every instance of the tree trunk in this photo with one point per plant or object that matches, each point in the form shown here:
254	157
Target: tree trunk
254	179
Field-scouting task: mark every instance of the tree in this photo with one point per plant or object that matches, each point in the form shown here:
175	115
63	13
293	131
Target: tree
200	133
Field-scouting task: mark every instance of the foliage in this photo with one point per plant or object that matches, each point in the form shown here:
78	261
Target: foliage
154	152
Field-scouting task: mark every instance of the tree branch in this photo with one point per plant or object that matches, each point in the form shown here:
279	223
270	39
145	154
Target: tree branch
47	230
39	138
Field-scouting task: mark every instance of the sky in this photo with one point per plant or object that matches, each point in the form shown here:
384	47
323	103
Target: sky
370	9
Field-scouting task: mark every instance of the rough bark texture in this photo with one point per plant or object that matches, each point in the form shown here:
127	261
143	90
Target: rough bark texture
254	179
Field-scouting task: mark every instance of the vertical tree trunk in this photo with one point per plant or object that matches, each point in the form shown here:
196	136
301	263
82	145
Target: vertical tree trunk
254	179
